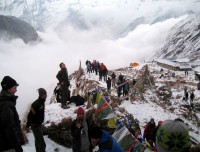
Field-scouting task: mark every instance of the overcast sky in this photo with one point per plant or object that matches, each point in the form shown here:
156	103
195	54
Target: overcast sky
35	66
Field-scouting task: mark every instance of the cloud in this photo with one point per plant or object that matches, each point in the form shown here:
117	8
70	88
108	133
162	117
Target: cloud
35	66
119	13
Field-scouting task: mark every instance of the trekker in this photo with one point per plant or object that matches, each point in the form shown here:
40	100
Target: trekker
133	82
119	89
89	66
97	67
36	118
80	133
113	76
58	93
103	72
192	99
11	137
125	87
93	66
186	96
159	124
121	78
150	132
108	84
185	90
62	77
104	140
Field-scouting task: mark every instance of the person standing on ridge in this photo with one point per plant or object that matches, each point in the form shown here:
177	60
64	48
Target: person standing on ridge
36	118
108	82
62	77
113	79
11	137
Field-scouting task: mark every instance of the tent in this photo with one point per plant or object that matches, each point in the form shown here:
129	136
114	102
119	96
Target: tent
134	64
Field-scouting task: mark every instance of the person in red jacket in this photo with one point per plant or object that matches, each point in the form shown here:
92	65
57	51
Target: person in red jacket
103	72
150	132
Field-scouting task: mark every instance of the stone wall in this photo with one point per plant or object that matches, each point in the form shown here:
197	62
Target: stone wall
60	133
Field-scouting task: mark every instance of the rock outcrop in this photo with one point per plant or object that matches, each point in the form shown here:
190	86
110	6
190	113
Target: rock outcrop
12	27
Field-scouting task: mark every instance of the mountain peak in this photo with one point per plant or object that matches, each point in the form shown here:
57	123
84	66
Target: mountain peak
183	39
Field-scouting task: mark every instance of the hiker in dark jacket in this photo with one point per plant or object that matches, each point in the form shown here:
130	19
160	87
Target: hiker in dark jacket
108	84
125	88
58	93
80	133
104	140
89	66
62	77
36	118
192	99
119	89
113	79
186	96
11	137
121	78
97	67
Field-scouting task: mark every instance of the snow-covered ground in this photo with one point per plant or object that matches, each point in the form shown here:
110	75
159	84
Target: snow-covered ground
143	111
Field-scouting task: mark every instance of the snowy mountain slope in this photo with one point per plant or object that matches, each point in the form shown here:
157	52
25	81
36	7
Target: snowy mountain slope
121	16
183	40
74	19
153	18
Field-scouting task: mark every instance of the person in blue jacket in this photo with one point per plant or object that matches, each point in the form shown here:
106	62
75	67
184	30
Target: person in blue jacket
104	140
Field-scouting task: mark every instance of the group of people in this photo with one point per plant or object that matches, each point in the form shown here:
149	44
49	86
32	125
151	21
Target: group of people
160	137
167	136
98	68
120	83
11	135
93	66
85	136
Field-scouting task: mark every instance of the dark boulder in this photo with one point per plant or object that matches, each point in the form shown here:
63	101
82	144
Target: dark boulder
12	27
